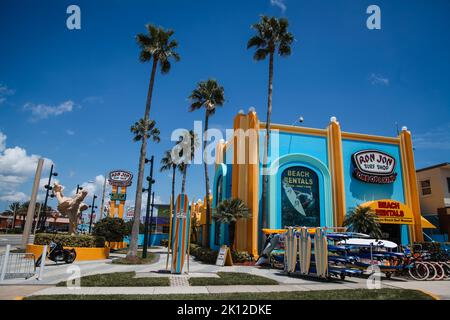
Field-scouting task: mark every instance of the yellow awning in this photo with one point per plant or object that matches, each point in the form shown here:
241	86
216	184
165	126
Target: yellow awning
426	224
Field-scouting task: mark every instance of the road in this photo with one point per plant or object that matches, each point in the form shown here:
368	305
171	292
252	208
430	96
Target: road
13	239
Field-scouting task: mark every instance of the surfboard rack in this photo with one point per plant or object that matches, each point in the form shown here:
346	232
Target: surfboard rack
307	251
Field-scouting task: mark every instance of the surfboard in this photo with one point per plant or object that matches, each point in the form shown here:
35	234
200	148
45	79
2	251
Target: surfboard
290	193
321	253
291	250
369	242
304	250
180	233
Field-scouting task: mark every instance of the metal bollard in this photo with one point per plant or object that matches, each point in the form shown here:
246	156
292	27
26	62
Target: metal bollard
5	263
41	267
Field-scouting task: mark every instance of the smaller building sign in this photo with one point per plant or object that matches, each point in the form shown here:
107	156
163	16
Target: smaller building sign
373	166
391	211
120	178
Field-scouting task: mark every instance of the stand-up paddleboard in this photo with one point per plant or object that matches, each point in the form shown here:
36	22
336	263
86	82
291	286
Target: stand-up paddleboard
321	253
304	250
180	233
368	243
291	250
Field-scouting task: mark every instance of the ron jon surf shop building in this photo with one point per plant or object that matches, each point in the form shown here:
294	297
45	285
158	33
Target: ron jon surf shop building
316	177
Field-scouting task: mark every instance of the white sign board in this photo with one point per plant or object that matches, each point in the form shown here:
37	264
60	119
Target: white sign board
221	256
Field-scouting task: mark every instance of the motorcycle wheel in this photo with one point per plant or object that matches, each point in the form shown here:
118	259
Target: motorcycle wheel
71	257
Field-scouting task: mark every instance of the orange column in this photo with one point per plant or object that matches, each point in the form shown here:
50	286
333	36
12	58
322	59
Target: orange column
123	190
112	207
410	184
335	158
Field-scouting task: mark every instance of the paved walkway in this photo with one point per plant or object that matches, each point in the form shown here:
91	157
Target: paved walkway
307	286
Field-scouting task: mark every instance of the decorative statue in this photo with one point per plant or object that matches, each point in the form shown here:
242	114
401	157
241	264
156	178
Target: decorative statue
70	207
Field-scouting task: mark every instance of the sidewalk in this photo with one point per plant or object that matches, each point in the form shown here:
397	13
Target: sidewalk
439	290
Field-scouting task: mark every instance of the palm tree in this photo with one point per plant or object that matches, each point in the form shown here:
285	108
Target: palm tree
167	164
272	36
364	220
14	208
188	141
143	129
208	94
157	47
230	211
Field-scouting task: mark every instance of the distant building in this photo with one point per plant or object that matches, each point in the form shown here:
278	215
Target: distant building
434	193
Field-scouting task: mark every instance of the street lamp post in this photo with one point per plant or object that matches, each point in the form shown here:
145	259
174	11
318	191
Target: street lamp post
147	211
151	216
48	187
93	206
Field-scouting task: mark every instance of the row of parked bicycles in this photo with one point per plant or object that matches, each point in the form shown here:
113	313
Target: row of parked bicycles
429	264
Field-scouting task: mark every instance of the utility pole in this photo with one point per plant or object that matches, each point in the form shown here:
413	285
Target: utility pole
147	211
48	187
93	206
32	205
102	205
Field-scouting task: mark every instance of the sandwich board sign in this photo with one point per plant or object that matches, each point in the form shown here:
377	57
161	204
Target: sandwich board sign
224	257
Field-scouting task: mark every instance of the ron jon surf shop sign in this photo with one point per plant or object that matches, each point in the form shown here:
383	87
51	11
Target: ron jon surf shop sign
373	166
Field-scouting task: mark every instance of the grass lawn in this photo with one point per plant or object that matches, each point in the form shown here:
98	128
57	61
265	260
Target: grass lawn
350	294
151	258
232	278
119	279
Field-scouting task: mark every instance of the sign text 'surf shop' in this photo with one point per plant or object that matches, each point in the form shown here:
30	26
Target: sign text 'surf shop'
373	166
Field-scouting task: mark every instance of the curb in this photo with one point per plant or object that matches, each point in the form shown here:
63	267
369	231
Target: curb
435	297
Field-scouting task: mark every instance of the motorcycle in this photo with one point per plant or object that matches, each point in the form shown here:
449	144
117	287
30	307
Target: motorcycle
57	254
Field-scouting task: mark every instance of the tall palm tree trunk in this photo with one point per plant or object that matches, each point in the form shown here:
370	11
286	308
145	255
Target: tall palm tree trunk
231	234
173	186
183	183
208	202
138	200
266	147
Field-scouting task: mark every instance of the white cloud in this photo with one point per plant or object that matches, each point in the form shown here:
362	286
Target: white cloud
280	4
70	132
13	196
16	168
437	138
2	141
43	111
92	186
5	92
378	79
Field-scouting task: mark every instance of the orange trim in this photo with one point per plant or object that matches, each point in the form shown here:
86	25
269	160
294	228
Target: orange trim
294	129
370	138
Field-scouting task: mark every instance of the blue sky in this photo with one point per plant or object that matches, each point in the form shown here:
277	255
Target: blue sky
71	96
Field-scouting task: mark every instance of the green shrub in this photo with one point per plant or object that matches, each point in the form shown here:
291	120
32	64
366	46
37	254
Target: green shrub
241	256
205	255
112	229
129	227
67	240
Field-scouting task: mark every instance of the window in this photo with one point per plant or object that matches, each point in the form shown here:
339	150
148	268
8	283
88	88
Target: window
448	184
425	185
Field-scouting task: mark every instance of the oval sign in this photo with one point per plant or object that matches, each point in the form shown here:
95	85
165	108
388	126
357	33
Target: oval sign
373	166
120	178
374	162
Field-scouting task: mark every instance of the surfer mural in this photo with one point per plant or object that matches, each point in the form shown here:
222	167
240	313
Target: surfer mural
300	204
